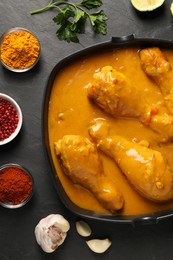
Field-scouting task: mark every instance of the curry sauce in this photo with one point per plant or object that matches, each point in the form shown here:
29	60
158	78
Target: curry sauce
71	111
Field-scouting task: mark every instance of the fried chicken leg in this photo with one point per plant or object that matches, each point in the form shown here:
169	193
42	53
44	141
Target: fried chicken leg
115	94
158	68
82	164
144	168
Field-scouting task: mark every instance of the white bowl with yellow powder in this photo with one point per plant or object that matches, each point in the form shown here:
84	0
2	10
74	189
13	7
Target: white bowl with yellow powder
19	49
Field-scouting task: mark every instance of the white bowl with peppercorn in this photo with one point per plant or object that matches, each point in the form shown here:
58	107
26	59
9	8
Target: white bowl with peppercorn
10	119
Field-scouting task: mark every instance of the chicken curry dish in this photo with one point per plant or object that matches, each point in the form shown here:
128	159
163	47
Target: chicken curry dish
110	127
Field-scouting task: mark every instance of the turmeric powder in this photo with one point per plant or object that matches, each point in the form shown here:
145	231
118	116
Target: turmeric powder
19	50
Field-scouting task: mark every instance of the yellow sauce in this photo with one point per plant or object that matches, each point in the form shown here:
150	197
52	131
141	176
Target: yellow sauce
70	112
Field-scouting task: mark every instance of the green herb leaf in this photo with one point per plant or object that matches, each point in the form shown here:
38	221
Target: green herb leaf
64	15
78	24
89	4
98	21
65	33
72	18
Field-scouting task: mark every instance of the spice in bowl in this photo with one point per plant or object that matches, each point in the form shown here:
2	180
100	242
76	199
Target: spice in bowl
16	186
10	119
20	49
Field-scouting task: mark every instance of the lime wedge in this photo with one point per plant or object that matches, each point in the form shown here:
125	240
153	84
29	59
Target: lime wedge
171	8
146	5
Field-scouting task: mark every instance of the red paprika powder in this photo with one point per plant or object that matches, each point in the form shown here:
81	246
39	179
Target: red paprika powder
15	185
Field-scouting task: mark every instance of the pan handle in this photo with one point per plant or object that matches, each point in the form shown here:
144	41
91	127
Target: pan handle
122	39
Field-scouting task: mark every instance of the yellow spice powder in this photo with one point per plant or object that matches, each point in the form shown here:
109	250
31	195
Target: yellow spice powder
19	50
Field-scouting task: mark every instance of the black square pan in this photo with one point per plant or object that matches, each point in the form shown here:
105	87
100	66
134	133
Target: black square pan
125	41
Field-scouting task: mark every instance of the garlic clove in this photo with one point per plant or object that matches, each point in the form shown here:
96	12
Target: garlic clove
83	228
51	232
63	225
99	245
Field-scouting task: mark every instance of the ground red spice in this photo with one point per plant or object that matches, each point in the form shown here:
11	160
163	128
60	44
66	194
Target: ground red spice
15	185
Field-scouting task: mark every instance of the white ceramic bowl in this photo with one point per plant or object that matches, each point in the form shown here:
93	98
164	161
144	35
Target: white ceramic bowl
13	30
20	119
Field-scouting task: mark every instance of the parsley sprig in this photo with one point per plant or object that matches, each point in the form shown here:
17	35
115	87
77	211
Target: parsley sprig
71	18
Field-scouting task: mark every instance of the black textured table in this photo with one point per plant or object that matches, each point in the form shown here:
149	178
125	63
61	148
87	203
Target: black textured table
17	240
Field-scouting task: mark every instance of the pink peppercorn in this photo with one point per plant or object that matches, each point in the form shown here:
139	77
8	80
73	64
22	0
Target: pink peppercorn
8	119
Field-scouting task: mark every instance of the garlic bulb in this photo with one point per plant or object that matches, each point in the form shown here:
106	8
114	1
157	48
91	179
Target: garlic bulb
51	232
99	245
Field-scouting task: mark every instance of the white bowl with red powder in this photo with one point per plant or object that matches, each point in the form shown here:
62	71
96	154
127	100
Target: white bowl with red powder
16	186
10	119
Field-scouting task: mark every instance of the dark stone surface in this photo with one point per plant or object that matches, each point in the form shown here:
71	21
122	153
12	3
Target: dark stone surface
17	240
